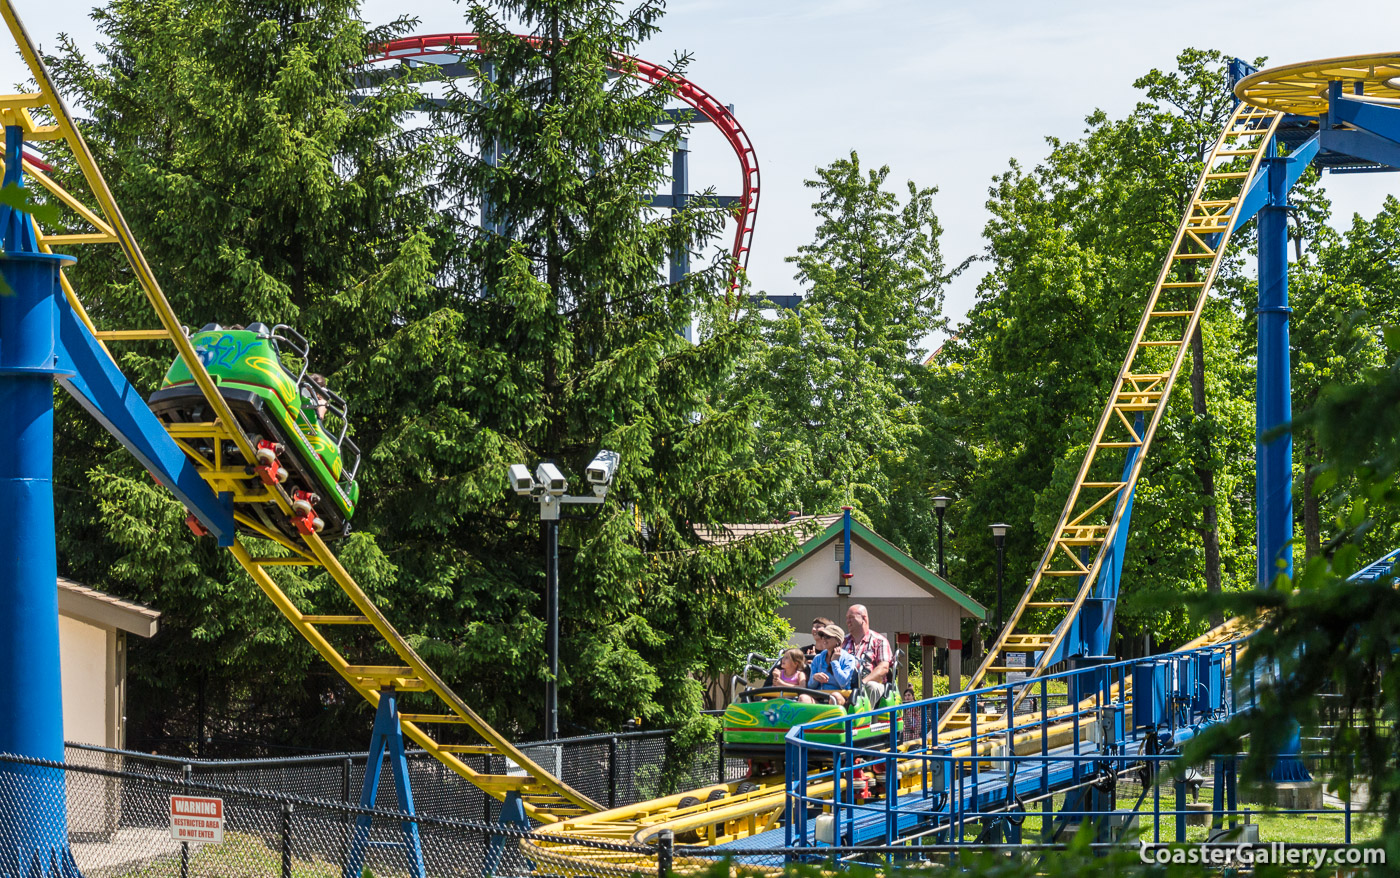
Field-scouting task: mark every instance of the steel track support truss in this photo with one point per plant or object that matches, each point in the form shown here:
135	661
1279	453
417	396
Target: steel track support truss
386	740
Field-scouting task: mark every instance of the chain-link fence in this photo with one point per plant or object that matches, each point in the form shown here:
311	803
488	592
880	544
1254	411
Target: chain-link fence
122	824
613	770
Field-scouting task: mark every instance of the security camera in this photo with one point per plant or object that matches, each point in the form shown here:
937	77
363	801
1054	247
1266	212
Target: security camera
552	479
602	468
520	479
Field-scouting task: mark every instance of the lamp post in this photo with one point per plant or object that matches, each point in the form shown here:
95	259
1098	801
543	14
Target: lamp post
940	504
548	487
999	536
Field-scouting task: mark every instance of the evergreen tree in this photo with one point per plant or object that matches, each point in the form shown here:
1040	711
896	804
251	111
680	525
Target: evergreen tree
558	334
262	190
843	372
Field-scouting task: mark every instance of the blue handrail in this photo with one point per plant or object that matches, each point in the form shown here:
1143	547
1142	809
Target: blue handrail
956	789
1377	569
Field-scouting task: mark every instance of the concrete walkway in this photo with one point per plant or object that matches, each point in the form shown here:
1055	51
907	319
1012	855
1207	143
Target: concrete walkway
124	851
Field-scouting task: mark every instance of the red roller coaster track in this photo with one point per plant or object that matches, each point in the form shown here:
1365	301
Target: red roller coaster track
691	94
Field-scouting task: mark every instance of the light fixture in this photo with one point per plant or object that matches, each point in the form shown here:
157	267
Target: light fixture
552	478
940	505
548	488
520	479
999	537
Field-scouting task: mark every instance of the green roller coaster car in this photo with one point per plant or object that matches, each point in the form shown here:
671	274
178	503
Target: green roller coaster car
756	724
278	410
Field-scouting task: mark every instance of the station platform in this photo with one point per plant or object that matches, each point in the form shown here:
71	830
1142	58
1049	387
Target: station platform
988	790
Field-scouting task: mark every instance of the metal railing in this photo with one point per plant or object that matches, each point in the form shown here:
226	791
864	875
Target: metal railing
935	786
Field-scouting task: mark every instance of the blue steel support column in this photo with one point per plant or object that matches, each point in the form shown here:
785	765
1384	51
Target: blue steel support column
492	223
1273	406
33	813
386	739
1273	459
680	191
846	543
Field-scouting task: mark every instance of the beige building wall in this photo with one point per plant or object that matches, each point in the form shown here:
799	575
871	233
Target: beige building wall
92	630
93	671
895	601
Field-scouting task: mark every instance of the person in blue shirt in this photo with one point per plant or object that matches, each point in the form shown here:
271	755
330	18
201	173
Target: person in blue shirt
833	668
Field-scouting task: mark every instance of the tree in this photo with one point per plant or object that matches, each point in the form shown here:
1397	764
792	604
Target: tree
1344	293
843	372
1197	103
556	333
263	191
1330	641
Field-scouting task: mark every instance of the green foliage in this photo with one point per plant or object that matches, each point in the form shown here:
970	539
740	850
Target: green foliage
842	374
23	199
1079	859
545	327
557	335
1331	642
1344	292
259	192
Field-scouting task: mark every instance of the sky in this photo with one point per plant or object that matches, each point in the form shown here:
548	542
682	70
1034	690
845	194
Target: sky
946	94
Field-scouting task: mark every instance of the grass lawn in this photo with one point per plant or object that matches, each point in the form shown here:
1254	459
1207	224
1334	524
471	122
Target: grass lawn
1323	828
239	855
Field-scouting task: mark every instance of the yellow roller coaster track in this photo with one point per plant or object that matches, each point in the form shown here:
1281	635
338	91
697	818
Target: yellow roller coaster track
1303	88
546	798
1072	561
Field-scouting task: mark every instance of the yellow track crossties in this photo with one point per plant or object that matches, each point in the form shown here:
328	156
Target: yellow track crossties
1302	88
546	798
1072	561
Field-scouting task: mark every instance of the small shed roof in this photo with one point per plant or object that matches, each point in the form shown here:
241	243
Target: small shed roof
99	608
919	573
723	534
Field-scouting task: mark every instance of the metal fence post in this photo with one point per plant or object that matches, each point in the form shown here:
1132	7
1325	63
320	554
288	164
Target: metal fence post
719	756
345	798
286	840
485	799
612	772
665	852
186	770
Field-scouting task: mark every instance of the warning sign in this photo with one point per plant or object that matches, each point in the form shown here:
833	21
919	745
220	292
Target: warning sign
196	819
1015	660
